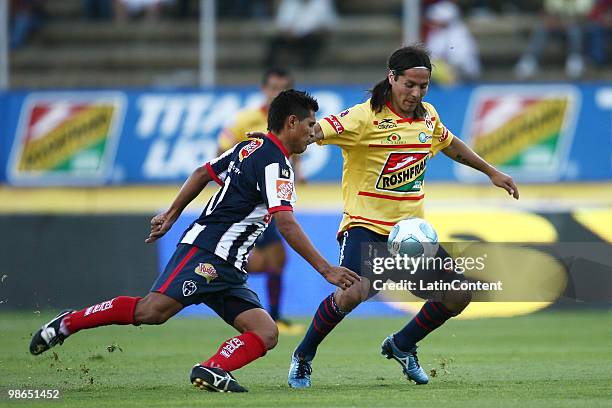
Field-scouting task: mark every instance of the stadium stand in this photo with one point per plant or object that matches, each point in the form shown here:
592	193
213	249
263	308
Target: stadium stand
70	51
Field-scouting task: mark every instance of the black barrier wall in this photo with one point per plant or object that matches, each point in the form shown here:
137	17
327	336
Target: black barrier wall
57	261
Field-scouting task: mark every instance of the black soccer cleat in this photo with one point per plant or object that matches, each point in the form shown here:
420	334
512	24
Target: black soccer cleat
214	380
49	334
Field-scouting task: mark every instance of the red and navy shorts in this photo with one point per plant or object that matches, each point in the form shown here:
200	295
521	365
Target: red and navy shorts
194	275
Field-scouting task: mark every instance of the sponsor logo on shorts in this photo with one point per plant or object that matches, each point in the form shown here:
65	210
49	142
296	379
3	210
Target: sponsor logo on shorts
207	271
403	172
284	189
248	150
189	288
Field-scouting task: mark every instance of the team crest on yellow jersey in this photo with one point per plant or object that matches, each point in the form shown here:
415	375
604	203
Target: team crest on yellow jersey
207	271
247	150
403	172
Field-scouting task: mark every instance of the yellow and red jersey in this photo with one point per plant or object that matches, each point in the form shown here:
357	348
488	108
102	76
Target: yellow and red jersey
385	157
248	120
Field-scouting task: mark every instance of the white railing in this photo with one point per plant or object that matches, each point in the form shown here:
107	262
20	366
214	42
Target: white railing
411	21
208	38
208	46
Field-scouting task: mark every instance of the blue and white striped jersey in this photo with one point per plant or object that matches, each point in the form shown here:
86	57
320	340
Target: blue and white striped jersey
256	180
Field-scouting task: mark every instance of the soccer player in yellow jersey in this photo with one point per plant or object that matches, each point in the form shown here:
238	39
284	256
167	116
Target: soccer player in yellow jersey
269	254
387	143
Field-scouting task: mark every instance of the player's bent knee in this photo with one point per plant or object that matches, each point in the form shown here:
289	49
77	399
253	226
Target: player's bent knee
457	301
352	297
348	300
464	298
155	309
270	338
268	335
259	322
149	316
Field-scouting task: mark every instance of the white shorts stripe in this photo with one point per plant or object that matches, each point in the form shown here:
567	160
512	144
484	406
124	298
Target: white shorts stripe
192	234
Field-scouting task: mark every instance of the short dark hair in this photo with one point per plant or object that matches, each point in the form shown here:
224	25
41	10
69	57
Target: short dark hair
287	103
402	59
275	71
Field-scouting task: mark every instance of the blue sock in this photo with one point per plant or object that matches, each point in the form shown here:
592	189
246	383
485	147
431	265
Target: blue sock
327	316
431	316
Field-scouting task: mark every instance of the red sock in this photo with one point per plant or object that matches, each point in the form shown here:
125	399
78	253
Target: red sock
237	352
119	310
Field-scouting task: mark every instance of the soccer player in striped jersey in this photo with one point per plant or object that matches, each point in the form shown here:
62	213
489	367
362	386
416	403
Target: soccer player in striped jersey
387	143
269	255
256	183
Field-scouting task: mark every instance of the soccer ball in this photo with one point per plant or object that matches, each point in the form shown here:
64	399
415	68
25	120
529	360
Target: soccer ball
413	237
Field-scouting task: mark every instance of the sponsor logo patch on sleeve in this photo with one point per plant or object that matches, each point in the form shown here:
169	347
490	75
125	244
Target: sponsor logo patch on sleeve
333	120
284	189
247	150
444	134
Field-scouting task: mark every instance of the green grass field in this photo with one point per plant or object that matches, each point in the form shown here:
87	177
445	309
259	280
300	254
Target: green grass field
549	359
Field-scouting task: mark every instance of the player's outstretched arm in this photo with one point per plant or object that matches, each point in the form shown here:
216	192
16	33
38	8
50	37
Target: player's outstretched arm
462	153
318	134
295	236
161	223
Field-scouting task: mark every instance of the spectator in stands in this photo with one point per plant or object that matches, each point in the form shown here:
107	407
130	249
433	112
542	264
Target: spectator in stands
453	49
26	16
600	28
558	16
98	9
244	8
125	9
302	27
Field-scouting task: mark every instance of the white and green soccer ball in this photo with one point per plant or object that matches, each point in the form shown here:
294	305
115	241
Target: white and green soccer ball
413	237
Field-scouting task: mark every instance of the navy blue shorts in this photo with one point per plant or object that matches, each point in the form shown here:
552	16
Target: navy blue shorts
269	236
358	247
194	275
